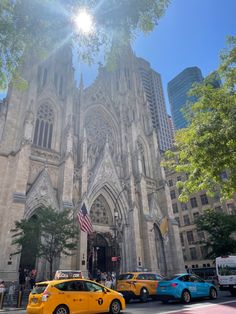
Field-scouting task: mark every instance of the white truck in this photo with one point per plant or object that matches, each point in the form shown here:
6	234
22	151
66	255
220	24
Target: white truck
226	273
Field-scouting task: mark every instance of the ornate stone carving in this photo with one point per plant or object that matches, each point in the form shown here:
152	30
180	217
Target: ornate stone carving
98	130
100	211
41	194
45	154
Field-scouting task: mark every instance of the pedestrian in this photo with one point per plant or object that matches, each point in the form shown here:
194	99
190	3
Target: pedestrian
99	278
2	290
11	292
32	279
2	287
109	282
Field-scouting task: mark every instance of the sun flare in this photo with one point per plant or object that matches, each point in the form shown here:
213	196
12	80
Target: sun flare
84	21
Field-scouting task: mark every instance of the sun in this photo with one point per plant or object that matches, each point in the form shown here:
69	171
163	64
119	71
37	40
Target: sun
84	21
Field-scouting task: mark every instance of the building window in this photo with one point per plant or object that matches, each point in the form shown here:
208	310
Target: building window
99	212
193	253
184	206
186	220
172	194
190	237
175	208
170	182
231	208
204	199
204	252
193	202
218	209
44	126
178	221
201	236
195	217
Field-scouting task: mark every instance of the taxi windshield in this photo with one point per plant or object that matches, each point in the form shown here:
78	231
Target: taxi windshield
125	276
39	288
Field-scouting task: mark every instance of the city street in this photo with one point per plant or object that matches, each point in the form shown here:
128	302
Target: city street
225	304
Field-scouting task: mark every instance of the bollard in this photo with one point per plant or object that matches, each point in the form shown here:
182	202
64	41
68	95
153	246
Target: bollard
19	299
1	300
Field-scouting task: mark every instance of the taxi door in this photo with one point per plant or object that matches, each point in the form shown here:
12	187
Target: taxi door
72	293
99	300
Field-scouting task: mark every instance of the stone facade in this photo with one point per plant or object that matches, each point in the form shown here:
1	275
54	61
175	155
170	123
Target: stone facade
61	145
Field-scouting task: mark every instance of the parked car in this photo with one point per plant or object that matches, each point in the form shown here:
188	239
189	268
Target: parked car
138	285
73	296
185	287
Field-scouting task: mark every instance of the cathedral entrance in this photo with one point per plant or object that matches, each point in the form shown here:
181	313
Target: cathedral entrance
100	252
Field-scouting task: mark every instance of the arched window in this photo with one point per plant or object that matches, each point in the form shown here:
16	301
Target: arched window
44	126
99	212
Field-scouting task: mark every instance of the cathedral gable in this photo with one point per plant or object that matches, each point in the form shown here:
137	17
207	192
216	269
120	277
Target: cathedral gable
105	172
41	194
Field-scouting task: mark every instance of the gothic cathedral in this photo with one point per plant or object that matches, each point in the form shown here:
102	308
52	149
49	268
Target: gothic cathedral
61	145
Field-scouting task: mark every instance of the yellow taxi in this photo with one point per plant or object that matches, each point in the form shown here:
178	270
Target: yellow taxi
138	285
72	296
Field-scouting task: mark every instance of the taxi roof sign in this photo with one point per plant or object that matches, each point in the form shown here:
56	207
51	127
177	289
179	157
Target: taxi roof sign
68	274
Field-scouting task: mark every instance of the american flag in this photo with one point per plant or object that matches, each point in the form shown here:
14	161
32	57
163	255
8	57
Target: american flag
84	220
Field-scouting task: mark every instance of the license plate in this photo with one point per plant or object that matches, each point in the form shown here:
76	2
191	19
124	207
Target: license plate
163	288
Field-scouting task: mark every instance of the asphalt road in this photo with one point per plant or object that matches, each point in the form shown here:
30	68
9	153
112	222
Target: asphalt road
225	304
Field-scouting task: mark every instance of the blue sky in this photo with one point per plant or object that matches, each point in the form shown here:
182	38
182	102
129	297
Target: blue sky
192	33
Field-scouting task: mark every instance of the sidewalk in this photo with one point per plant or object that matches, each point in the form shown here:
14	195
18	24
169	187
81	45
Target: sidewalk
10	309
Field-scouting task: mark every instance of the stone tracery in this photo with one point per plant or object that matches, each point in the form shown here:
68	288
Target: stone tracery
98	130
99	212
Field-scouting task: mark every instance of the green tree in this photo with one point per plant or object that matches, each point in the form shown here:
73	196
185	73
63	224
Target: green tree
206	149
219	228
40	26
47	235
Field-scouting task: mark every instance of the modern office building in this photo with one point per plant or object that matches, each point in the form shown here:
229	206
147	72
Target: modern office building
178	89
194	252
153	89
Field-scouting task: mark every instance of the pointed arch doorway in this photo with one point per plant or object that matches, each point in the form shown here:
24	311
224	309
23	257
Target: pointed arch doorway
101	249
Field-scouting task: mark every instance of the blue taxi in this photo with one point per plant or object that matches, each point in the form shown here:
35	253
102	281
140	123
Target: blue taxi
184	287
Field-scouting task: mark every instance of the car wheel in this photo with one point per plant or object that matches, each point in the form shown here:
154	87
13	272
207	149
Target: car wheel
186	297
213	293
144	295
61	309
165	301
115	307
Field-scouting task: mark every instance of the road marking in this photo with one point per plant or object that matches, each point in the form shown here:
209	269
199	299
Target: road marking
196	307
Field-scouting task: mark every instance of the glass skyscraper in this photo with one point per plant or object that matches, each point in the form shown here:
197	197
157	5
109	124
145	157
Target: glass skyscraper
178	89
